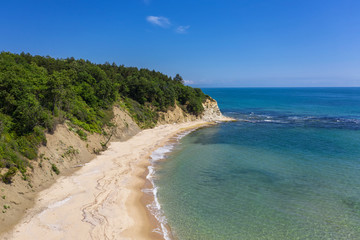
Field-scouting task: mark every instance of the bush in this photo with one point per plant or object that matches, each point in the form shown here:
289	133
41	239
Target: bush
144	116
55	169
7	177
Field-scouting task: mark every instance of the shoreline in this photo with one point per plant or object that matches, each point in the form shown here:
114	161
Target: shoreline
150	199
138	203
90	204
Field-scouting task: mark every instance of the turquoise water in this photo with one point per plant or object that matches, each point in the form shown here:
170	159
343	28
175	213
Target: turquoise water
288	169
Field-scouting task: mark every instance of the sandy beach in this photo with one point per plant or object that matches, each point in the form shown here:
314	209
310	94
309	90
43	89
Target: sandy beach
102	200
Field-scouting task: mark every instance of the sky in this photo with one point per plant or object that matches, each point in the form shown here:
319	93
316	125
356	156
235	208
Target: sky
210	43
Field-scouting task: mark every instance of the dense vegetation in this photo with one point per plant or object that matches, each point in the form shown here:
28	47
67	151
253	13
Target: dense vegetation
37	93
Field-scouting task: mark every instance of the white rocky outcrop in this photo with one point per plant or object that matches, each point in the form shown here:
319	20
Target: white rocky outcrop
211	111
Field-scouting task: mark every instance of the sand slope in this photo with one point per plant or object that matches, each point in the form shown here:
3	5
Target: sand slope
102	199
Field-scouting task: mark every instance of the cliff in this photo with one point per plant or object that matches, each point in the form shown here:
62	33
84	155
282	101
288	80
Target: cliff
68	149
177	115
212	111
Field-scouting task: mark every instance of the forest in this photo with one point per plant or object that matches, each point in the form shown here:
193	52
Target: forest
37	93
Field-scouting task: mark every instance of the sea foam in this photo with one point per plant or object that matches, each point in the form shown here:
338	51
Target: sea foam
155	207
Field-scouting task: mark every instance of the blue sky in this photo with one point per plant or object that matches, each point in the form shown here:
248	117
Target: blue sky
211	43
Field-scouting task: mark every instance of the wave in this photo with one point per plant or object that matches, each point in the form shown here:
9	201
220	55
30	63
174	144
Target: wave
155	207
300	120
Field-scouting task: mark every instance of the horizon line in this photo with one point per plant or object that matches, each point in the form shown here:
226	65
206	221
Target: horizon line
280	87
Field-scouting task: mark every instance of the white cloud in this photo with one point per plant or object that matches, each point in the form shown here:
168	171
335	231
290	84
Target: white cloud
159	21
187	82
182	29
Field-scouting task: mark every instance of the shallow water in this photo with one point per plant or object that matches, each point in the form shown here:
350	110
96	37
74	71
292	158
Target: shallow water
289	169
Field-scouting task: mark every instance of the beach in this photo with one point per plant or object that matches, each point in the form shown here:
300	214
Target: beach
102	200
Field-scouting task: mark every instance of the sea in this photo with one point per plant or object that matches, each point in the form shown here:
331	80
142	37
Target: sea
288	168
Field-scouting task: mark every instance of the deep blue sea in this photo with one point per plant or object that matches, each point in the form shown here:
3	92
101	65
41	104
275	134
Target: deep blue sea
289	168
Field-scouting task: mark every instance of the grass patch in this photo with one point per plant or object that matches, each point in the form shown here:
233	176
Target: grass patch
82	134
70	152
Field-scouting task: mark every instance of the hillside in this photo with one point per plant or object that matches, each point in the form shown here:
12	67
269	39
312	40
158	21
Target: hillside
38	93
57	114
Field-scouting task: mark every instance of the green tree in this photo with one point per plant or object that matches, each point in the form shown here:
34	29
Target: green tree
27	114
179	79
